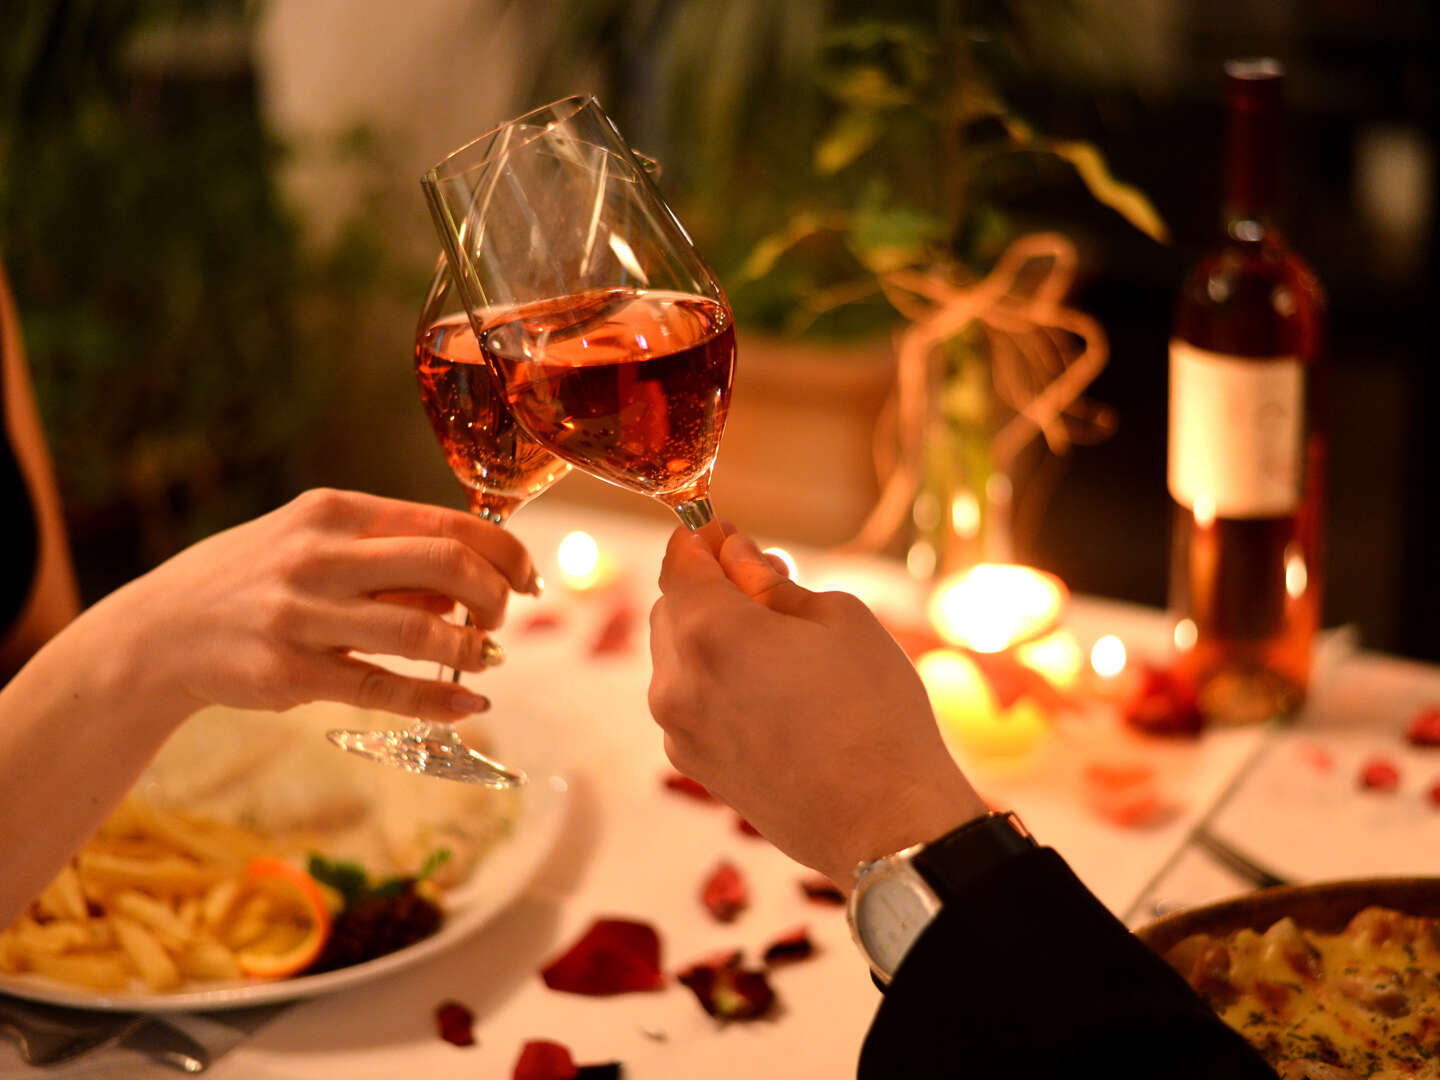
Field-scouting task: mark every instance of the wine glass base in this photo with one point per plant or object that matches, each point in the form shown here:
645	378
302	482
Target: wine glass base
449	759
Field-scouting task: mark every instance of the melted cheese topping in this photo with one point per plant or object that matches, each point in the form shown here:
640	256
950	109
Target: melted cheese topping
1366	1000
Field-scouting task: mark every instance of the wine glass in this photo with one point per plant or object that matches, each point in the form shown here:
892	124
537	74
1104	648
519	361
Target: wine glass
613	341
501	468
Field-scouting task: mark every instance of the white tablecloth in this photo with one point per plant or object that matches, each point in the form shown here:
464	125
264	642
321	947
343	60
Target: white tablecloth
633	849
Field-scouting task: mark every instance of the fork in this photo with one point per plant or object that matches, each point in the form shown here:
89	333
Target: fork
49	1036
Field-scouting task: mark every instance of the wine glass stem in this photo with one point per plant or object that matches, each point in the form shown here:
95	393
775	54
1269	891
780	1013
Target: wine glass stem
698	516
695	514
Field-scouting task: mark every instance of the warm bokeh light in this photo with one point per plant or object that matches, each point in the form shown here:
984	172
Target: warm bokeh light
1297	578
1204	511
1057	657
991	607
967	712
1186	634
785	557
920	559
579	559
1107	656
965	515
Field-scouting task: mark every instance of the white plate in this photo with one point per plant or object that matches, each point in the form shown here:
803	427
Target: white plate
498	880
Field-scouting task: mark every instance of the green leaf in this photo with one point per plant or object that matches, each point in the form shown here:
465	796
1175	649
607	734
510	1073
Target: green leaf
765	254
865	86
887	238
849	136
1125	199
434	861
347	878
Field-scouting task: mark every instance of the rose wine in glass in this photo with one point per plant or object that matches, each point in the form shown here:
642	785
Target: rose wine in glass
613	341
502	468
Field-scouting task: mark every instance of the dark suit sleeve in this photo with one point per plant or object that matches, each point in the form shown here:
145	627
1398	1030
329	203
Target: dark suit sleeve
1030	976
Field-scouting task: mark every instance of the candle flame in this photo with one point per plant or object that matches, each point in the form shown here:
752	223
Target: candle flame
1107	656
579	559
991	607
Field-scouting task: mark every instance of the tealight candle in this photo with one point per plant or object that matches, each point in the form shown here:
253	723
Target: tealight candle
582	565
968	714
992	607
1056	656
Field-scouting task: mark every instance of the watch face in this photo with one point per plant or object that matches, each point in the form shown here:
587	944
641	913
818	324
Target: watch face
888	919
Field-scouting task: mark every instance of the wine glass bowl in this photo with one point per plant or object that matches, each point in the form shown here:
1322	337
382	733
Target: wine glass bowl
613	341
501	468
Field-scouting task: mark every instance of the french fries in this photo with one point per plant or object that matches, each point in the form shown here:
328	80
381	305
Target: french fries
154	896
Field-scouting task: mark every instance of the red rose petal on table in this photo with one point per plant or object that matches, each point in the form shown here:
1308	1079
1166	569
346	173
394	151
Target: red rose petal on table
1124	793
743	826
1162	705
615	956
1379	774
822	890
789	947
725	893
616	633
728	991
1433	794
541	620
1424	729
1317	757
683	785
456	1023
543	1060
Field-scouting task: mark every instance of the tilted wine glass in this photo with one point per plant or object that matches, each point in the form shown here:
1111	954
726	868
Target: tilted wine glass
502	469
613	341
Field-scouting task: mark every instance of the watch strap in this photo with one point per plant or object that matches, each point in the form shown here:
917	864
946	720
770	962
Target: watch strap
959	858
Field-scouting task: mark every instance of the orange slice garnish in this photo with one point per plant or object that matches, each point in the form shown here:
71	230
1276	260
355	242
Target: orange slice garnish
299	924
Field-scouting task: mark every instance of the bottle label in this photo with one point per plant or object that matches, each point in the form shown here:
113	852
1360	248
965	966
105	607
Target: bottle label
1237	430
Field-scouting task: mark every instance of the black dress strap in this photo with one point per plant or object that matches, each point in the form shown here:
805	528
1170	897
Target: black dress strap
17	518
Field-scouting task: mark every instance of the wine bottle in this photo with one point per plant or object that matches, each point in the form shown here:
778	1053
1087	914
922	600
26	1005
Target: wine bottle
1245	452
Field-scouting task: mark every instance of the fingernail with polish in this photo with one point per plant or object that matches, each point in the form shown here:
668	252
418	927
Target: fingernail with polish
492	653
464	702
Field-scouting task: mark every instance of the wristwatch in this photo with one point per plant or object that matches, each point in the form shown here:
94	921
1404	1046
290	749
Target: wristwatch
896	895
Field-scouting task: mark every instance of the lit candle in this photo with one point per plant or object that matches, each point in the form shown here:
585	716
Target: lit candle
1057	657
992	607
967	712
785	558
582	565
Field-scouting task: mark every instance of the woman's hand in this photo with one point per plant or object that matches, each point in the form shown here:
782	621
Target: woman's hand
265	615
798	709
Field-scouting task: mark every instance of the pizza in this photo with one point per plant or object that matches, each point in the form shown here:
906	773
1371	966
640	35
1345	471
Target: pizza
1360	1003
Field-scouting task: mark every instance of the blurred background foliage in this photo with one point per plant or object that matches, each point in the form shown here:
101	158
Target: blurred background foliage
866	137
176	325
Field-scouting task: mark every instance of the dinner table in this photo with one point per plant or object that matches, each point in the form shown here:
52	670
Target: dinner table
1226	809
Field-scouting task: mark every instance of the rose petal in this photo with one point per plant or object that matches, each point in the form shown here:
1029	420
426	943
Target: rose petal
1162	705
746	828
822	890
541	620
1124	793
789	947
616	633
683	785
728	991
1317	757
1434	793
456	1023
615	956
1424	729
542	1060
725	893
1379	774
